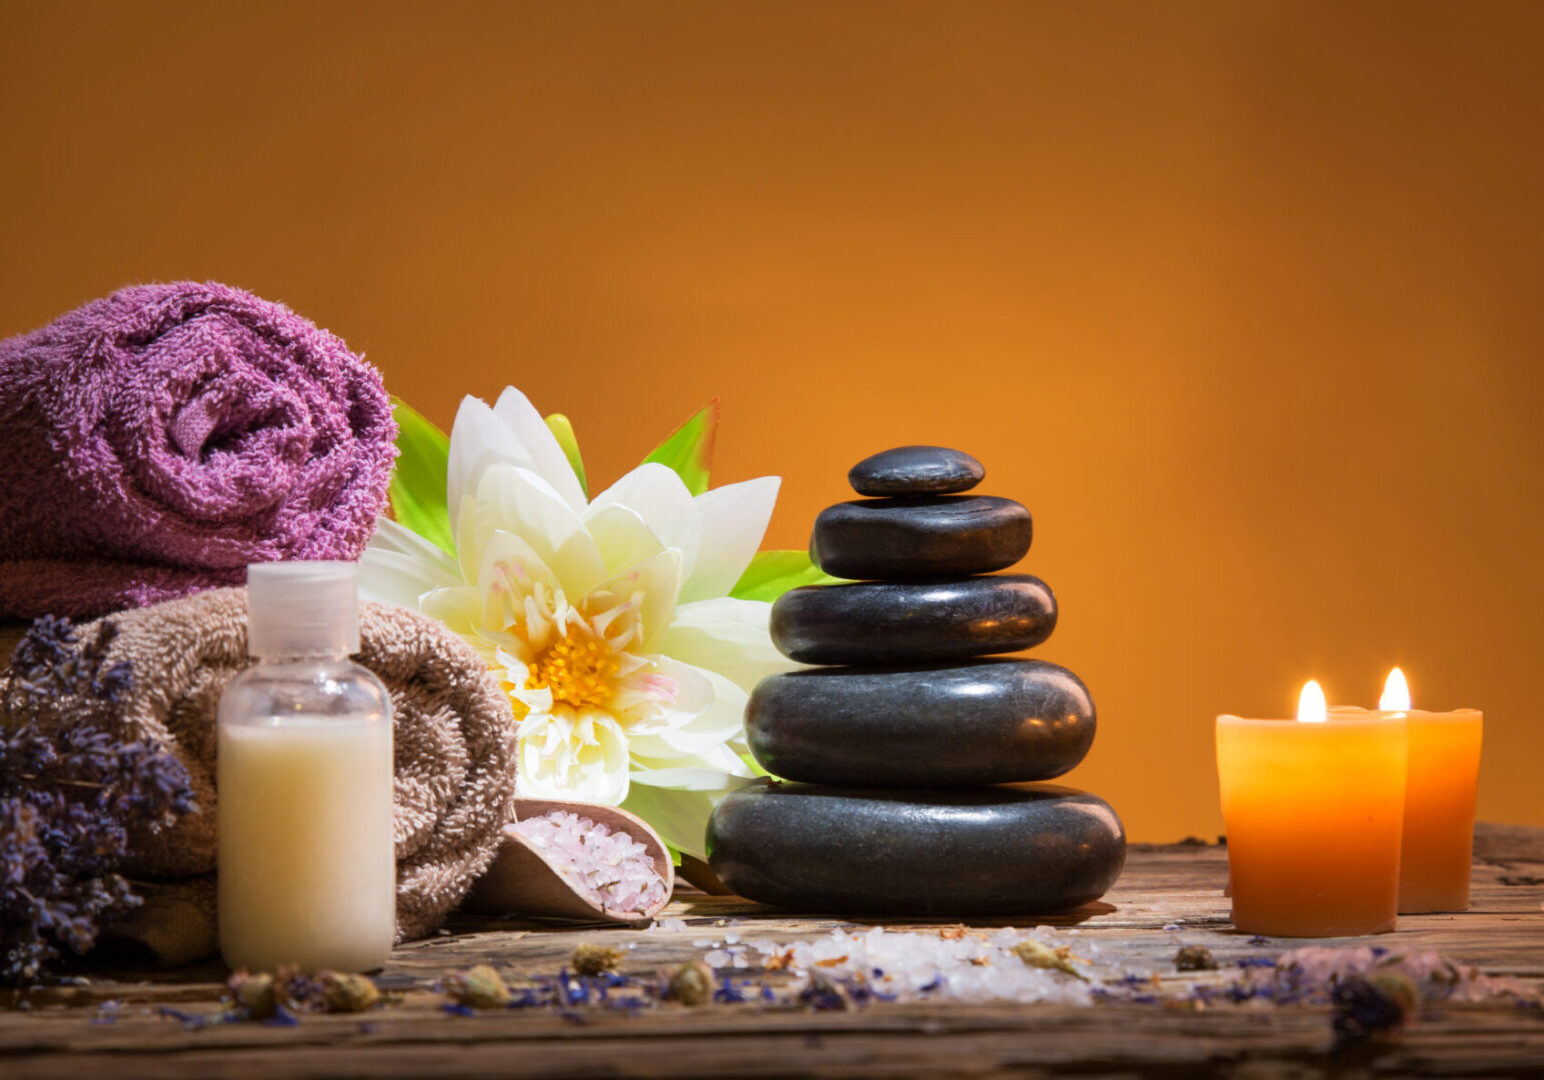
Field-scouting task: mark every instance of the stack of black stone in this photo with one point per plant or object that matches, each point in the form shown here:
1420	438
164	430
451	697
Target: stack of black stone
913	762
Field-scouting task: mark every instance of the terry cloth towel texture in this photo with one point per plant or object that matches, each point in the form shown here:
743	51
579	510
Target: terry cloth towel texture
453	728
157	441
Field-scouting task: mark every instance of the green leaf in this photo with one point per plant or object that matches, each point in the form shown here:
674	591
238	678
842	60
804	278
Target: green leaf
772	573
755	766
560	427
417	488
689	449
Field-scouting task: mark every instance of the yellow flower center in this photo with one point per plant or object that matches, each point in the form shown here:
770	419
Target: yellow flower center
577	669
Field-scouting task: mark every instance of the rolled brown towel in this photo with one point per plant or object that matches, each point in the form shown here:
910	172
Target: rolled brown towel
453	729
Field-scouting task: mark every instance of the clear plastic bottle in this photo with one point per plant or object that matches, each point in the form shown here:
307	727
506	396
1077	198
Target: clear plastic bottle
307	871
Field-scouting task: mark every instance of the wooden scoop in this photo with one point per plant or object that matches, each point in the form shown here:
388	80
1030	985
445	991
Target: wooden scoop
521	880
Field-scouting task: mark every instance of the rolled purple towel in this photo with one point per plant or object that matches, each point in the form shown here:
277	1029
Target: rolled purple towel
154	442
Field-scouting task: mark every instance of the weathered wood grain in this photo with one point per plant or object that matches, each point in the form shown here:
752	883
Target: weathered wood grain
1175	886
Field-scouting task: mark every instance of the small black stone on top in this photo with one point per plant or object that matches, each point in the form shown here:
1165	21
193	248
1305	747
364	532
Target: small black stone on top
916	470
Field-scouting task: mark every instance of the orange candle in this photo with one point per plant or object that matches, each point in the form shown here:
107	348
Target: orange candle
1441	780
1314	811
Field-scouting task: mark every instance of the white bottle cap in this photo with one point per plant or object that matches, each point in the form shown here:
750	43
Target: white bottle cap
302	608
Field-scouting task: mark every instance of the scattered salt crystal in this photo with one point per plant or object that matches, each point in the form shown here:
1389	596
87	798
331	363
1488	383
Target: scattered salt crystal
716	959
703	942
611	870
914	966
732	937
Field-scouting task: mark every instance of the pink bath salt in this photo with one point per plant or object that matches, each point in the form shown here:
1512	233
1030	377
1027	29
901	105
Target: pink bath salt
611	870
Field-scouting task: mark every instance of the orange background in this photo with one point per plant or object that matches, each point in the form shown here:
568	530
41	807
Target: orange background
1242	299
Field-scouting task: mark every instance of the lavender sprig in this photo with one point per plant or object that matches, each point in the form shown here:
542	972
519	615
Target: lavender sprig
71	789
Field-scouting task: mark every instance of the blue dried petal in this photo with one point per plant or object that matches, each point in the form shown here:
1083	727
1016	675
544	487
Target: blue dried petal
189	1020
282	1017
727	993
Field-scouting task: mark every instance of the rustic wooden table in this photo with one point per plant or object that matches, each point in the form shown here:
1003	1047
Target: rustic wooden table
64	1032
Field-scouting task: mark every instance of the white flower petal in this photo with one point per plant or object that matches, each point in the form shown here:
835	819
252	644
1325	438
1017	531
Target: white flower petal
513	567
654	583
621	535
390	535
391	577
566	754
727	636
675	694
459	607
732	519
516	500
478	439
544	455
683	733
657	494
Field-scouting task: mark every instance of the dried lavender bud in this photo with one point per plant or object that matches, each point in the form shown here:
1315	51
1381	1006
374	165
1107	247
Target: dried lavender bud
70	791
254	994
348	993
1194	958
690	984
1039	955
297	990
479	988
596	959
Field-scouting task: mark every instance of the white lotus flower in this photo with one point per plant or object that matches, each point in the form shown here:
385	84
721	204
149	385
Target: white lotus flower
607	622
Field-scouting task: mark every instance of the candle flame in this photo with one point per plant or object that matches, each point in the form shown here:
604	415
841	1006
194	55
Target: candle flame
1396	693
1311	706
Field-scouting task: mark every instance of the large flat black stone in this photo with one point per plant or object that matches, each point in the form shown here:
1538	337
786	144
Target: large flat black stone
916	470
891	623
995	851
919	539
966	724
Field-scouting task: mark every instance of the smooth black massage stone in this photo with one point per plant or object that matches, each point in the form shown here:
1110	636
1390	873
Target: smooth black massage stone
1010	850
960	725
916	470
919	539
881	622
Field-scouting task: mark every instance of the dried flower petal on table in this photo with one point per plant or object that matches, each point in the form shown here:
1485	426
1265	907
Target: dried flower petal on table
480	987
690	984
253	994
595	959
1194	958
1037	954
348	993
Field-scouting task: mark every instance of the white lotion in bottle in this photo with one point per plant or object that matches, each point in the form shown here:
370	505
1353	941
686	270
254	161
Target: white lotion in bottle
307	870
